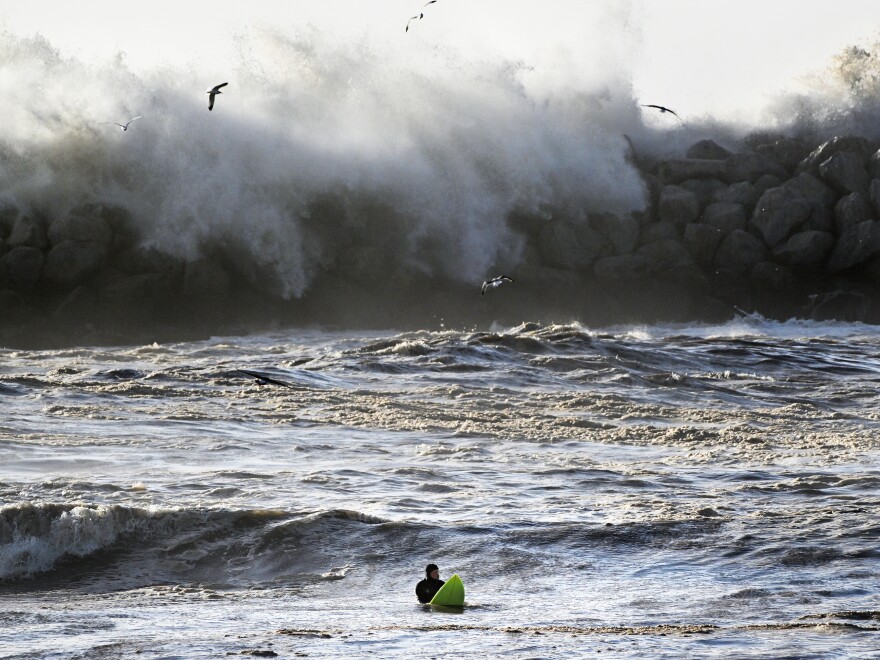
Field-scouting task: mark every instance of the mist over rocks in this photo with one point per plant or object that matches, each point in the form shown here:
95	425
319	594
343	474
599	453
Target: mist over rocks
782	226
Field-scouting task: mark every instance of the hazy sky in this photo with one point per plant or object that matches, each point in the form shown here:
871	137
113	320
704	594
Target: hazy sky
699	56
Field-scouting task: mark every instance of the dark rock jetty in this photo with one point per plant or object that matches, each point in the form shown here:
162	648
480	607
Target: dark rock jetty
778	226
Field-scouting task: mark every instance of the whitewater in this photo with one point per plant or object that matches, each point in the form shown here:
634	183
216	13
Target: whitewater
664	491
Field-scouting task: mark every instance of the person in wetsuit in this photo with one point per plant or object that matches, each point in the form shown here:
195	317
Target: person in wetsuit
426	589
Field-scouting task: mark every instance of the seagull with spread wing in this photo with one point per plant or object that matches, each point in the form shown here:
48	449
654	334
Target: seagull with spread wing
213	92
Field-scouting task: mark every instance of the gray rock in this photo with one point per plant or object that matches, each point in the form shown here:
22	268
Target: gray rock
78	306
71	263
845	172
704	189
820	197
621	232
751	167
839	144
766	275
708	150
570	245
622	267
702	242
145	292
855	246
677	206
145	259
676	171
778	213
28	232
874	197
22	267
8	215
807	249
740	251
726	217
659	231
851	210
664	255
787	152
92	228
743	193
874	165
764	183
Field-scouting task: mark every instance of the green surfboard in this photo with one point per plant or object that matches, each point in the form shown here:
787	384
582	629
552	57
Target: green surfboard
451	594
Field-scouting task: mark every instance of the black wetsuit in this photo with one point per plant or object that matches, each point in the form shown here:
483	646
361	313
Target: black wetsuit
426	589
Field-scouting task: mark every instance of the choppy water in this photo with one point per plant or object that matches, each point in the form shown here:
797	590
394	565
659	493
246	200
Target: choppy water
660	491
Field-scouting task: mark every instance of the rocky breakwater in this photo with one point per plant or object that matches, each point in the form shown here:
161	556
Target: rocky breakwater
780	226
86	275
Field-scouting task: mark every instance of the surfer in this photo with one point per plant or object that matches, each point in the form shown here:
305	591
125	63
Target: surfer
426	589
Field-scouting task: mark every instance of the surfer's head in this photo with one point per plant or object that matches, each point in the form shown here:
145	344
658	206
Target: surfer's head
430	568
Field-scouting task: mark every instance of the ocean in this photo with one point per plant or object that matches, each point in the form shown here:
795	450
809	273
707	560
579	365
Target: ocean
644	491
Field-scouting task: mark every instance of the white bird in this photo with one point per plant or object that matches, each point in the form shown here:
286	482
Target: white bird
124	126
495	281
212	93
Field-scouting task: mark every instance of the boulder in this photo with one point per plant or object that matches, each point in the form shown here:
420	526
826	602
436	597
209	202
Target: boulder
659	231
766	275
571	245
803	202
622	267
145	259
740	251
143	296
704	189
743	193
664	255
874	197
855	245
726	217
786	152
845	172
87	228
778	213
820	197
71	263
751	167
874	165
677	206
22	267
8	215
708	150
702	241
621	232
806	249
676	171
851	210
857	145
79	305
28	232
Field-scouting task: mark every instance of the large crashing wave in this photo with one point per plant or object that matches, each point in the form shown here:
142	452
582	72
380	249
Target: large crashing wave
318	157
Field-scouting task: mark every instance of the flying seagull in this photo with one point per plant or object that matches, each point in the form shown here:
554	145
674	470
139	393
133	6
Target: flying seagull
418	16
495	281
213	92
661	108
263	379
124	126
